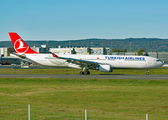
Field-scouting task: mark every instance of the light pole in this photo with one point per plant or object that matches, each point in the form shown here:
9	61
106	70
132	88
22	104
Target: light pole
91	44
91	48
46	46
69	44
130	47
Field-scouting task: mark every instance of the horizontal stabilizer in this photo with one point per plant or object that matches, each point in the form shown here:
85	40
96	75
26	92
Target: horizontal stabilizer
54	55
23	56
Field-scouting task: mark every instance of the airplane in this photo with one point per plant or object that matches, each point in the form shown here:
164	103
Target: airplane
103	63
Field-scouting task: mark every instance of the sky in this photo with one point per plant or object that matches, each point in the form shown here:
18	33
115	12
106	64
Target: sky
83	19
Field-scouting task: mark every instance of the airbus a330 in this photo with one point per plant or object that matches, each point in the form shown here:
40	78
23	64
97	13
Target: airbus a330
103	63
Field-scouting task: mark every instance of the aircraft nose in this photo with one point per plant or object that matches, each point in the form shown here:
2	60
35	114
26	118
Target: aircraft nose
162	63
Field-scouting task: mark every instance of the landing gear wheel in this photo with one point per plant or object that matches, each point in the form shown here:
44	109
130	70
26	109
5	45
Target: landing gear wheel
147	73
84	72
81	73
87	72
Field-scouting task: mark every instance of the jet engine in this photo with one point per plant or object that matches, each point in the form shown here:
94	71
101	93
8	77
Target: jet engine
105	68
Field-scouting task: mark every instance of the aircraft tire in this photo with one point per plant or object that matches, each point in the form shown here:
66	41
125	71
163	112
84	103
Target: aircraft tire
81	72
147	73
85	72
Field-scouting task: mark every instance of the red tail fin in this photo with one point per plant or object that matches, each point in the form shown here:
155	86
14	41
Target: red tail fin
19	45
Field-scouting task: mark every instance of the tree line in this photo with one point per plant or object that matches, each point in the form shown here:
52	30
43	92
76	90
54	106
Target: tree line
131	44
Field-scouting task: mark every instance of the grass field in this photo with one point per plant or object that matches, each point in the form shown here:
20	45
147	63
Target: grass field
102	98
114	96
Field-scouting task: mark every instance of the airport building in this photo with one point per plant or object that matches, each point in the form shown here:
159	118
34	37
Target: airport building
62	50
81	50
97	51
163	56
37	49
5	52
9	61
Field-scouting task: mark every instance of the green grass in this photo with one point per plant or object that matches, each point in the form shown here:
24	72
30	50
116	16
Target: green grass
54	98
76	71
103	96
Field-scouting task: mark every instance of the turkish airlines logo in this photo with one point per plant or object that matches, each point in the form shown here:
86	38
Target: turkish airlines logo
20	47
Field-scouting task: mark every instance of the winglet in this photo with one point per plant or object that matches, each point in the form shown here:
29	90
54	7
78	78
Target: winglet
54	55
19	45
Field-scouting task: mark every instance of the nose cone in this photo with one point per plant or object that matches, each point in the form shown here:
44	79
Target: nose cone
162	63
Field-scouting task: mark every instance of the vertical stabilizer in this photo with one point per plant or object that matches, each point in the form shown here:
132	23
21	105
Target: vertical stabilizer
19	45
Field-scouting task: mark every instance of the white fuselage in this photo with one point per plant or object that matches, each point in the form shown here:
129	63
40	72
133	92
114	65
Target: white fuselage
116	61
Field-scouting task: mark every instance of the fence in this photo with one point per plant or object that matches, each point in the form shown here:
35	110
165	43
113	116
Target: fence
24	112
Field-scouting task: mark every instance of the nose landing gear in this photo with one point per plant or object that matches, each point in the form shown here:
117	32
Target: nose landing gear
147	73
84	72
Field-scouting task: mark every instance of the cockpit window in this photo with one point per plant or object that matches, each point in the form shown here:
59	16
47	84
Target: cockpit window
158	60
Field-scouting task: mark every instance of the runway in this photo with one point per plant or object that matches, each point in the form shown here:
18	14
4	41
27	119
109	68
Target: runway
92	76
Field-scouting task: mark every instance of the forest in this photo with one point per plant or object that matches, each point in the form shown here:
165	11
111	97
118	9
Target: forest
129	44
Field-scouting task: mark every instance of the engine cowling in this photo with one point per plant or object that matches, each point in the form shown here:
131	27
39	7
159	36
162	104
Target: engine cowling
105	68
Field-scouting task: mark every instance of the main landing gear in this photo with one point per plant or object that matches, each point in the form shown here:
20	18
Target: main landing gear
147	73
85	71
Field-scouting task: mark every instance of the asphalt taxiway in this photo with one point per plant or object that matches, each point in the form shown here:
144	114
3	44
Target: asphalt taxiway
92	76
76	76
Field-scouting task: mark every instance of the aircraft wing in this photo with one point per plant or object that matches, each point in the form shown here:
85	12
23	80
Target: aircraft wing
78	61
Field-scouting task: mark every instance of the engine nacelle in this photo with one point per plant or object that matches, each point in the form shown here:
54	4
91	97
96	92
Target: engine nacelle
105	68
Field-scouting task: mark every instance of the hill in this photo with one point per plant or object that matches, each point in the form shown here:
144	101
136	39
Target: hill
133	44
